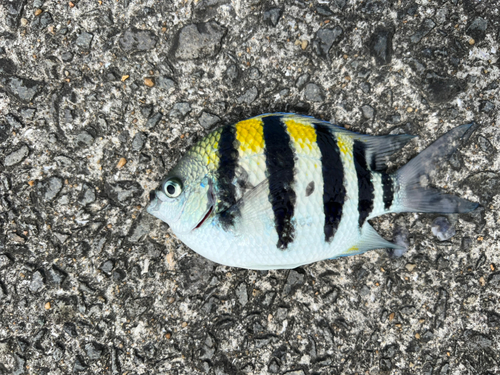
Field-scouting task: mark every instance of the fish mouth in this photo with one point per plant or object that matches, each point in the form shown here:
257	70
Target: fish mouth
153	203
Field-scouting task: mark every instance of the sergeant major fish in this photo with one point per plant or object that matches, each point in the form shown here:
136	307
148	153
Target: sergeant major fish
281	190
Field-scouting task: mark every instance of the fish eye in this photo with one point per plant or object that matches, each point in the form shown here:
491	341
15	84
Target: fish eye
173	187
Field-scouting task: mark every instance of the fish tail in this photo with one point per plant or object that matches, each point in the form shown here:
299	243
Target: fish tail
414	194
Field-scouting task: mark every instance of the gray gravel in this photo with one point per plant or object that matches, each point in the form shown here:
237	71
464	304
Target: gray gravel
99	99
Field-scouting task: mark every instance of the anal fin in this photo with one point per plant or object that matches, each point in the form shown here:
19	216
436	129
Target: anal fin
370	240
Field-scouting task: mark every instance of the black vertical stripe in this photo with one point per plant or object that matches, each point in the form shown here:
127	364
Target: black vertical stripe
388	189
226	171
333	179
365	184
280	173
373	162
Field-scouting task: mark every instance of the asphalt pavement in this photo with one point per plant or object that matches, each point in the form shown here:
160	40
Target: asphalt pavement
99	99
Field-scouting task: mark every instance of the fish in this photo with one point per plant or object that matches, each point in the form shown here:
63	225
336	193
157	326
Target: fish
281	190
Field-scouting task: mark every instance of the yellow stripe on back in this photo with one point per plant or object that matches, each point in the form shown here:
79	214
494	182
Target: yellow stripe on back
207	149
250	135
345	144
303	135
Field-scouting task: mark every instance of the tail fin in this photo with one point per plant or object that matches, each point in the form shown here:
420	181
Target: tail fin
412	178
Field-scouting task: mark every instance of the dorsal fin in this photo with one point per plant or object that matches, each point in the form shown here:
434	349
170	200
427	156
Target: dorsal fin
378	148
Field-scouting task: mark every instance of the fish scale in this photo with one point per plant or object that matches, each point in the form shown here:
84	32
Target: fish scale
282	190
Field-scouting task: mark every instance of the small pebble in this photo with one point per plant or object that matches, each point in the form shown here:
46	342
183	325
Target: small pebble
84	40
125	77
153	120
121	163
38	12
184	324
302	80
180	109
248	96
47	306
149	82
138	141
367	111
410	267
304	44
24	22
313	93
198	40
400	237
409	109
471	41
16	156
207	120
442	228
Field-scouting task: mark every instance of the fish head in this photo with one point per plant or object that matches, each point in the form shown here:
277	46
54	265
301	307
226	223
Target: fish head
184	199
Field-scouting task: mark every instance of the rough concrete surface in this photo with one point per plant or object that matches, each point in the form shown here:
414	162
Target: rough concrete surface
98	99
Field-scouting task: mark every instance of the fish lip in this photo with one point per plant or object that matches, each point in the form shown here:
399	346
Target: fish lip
153	205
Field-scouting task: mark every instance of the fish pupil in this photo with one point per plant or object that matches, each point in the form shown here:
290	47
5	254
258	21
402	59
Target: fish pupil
171	189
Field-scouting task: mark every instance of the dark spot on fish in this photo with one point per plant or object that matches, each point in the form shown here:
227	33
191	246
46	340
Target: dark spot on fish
310	188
